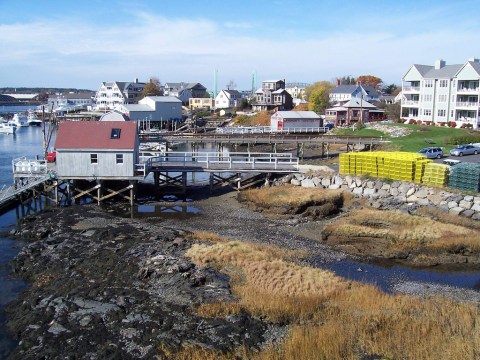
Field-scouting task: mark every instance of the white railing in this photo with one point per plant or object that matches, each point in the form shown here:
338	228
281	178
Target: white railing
411	88
269	130
468	90
411	102
225	161
28	168
467	104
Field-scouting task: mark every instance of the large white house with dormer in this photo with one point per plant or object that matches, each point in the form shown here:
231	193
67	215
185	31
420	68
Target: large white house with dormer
227	99
443	93
111	94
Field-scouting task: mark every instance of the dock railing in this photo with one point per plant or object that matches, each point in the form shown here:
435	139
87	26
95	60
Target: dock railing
23	167
236	161
269	130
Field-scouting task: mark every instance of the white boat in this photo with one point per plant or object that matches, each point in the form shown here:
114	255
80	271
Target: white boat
19	120
33	120
6	128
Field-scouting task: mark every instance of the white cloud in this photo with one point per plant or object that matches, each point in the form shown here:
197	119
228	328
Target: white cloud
75	53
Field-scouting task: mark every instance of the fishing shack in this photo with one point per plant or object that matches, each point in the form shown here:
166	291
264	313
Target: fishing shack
98	152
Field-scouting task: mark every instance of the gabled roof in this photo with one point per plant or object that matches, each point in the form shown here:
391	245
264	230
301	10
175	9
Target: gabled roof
298	114
182	85
233	93
475	65
96	135
350	89
279	91
344	89
355	102
447	71
423	69
164	99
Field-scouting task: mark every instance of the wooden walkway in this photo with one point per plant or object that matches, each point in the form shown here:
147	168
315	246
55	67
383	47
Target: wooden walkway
238	162
263	139
13	192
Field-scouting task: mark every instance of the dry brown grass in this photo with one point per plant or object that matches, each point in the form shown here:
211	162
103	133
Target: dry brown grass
447	218
258	273
332	318
292	196
403	231
205	236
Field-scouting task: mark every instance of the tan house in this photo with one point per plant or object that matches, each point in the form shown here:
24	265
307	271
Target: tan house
201	103
352	112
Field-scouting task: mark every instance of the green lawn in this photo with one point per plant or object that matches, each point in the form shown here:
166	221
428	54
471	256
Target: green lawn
421	136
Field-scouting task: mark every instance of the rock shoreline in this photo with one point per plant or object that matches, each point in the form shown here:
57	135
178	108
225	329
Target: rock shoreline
107	287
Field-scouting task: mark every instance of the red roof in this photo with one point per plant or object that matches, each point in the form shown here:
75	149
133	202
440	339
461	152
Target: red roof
96	135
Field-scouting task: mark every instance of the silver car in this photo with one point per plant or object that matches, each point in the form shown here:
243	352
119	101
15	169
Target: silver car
461	150
432	152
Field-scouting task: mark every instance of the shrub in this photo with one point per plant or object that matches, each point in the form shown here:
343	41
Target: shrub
419	122
402	120
452	124
428	122
411	121
441	124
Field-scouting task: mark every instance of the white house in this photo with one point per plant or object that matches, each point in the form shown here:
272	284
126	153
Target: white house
343	93
443	93
287	120
71	101
184	91
154	109
111	94
226	99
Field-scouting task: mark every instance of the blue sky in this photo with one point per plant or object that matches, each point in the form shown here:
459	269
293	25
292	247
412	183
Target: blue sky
82	43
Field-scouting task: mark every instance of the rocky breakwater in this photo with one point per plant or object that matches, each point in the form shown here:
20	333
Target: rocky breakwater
388	195
107	287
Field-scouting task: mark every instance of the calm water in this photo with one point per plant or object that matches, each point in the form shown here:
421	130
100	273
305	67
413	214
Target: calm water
27	142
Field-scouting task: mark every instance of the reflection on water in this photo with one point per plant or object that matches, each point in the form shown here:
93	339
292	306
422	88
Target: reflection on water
387	276
174	211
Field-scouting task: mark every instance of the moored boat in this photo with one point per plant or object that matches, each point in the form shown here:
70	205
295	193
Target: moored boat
6	128
33	120
19	120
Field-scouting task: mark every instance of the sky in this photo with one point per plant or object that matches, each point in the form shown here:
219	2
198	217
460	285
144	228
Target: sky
79	44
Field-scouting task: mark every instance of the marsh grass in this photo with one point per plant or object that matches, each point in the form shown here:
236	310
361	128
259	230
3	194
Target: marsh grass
403	231
291	196
329	317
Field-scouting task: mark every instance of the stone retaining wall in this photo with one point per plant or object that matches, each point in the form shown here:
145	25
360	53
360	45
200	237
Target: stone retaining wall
390	194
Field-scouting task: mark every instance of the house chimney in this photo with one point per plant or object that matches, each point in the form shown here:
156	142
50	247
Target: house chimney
338	82
439	64
473	59
135	80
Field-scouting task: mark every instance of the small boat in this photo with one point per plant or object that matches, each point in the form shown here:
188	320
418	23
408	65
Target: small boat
33	120
6	128
19	120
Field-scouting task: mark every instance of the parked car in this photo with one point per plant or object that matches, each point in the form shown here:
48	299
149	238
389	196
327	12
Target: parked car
468	149
432	152
52	156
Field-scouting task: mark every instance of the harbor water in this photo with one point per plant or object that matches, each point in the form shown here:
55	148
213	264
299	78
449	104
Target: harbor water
28	142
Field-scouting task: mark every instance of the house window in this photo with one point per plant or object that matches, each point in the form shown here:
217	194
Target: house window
427	112
427	97
443	83
451	113
428	83
119	158
115	133
442	98
93	158
441	112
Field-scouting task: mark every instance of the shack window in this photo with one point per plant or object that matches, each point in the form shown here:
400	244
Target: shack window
115	133
93	158
119	158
